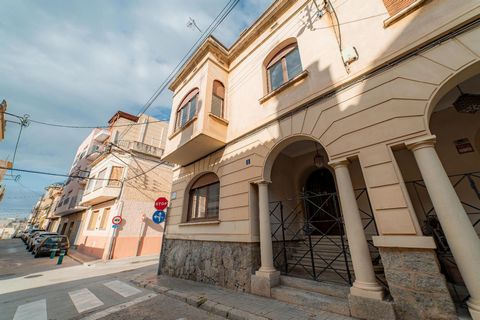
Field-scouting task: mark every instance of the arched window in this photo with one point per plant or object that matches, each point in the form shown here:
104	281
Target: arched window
187	109
204	198
284	66
218	99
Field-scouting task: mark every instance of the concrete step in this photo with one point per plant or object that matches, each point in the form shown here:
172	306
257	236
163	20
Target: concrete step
312	300
316	286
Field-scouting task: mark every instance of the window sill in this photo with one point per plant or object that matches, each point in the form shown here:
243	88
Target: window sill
284	86
187	124
199	223
397	16
224	121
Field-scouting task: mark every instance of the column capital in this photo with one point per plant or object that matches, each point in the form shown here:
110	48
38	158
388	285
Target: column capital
342	162
263	181
422	142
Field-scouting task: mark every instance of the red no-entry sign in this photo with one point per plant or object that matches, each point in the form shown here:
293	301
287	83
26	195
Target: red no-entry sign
161	203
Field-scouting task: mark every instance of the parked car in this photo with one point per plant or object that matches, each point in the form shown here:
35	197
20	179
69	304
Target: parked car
18	234
49	243
37	238
28	234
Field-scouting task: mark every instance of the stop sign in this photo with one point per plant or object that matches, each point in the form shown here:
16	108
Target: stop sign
161	203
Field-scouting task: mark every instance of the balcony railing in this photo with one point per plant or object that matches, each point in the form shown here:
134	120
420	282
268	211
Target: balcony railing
141	148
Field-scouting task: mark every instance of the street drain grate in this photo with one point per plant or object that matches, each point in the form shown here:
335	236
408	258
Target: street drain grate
7	275
33	276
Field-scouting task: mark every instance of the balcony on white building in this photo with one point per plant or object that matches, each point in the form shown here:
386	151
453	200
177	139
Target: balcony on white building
137	146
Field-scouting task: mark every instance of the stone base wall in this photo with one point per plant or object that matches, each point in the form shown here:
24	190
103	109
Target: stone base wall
418	288
226	264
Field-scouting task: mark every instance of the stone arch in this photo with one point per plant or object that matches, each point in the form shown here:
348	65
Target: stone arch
449	83
269	159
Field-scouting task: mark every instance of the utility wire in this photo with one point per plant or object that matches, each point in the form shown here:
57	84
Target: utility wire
210	29
58	125
55	174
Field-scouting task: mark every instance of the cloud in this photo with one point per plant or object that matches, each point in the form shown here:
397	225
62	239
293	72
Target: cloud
77	62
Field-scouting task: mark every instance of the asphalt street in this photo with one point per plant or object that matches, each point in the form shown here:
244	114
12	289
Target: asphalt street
16	261
110	296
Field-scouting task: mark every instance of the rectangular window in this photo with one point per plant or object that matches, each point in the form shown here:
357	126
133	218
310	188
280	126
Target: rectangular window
93	220
217	106
115	176
204	202
294	65
99	180
104	220
276	75
192	106
184	116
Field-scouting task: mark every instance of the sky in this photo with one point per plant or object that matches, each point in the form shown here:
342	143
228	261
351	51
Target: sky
78	62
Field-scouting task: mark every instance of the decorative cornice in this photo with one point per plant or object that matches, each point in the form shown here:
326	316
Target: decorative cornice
224	55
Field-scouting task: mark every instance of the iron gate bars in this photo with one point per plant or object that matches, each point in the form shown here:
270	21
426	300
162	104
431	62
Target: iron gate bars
310	238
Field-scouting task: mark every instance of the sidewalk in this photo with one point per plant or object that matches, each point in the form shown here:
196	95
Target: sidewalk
81	257
88	270
228	303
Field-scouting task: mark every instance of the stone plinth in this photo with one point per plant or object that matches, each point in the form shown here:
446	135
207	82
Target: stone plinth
226	264
416	284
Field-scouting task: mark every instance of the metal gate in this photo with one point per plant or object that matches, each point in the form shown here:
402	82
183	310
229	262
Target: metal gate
309	239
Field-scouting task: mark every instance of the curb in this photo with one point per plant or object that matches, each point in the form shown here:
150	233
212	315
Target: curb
201	302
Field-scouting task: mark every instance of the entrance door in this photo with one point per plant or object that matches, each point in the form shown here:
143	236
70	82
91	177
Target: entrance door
321	204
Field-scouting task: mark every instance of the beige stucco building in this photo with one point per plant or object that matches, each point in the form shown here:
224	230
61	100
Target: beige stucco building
43	214
125	181
69	212
338	142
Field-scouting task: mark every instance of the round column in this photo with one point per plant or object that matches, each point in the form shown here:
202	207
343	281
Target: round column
461	236
365	283
266	251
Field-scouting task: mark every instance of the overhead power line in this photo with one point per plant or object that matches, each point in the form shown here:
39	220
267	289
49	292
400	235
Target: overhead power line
55	174
210	29
59	125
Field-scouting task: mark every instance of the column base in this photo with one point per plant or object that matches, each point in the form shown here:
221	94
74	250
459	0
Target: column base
367	290
474	308
370	309
418	287
263	281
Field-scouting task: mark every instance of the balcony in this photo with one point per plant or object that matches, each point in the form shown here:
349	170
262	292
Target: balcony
192	144
94	152
100	194
69	205
140	147
101	135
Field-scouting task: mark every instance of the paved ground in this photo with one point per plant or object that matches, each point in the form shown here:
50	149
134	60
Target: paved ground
236	305
95	298
16	261
164	308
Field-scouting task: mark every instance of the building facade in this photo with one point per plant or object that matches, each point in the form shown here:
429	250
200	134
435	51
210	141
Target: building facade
44	211
126	181
69	211
336	142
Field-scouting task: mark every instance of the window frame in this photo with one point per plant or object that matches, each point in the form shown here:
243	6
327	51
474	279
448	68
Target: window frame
92	223
280	57
186	106
222	99
193	192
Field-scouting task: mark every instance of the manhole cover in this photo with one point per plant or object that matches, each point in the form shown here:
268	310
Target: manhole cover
33	276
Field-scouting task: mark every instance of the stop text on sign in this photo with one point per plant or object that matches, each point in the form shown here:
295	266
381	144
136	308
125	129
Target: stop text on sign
161	203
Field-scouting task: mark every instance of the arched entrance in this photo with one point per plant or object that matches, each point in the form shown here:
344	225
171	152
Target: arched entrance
308	234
